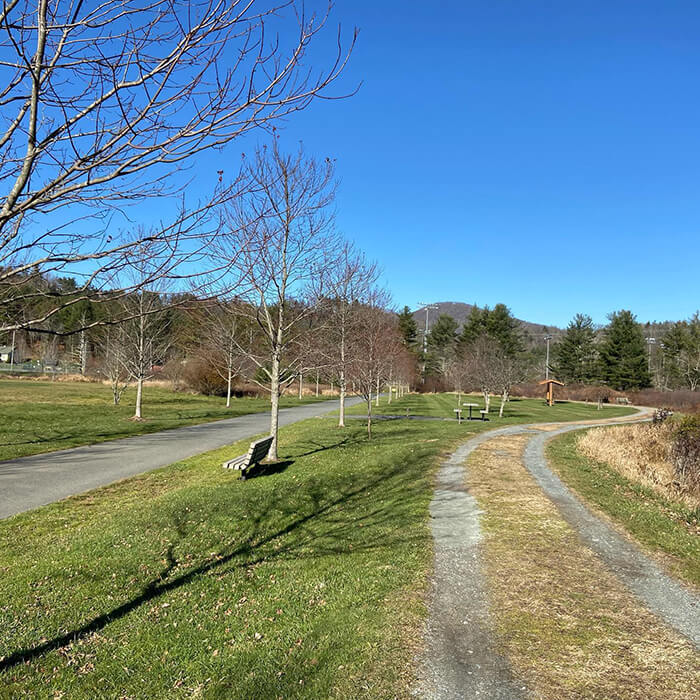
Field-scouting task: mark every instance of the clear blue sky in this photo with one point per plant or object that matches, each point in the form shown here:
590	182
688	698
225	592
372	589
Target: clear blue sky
542	154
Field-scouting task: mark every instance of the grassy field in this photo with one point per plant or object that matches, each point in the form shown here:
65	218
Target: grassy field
306	581
41	416
516	410
667	528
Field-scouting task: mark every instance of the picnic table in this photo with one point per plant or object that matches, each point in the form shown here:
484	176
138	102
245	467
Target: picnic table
471	406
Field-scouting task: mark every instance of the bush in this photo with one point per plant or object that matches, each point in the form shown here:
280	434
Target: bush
685	453
201	377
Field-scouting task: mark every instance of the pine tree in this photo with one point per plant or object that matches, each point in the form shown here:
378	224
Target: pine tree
408	328
503	327
575	354
498	324
442	340
623	360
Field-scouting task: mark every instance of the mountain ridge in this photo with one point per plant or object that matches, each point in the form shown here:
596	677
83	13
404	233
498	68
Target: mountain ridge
460	312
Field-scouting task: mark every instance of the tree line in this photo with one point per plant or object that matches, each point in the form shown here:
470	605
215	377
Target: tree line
620	355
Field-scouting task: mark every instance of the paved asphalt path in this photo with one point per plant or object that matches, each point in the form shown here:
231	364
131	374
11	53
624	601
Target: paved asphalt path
29	482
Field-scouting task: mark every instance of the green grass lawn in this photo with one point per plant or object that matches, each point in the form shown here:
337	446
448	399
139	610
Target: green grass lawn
516	410
666	528
41	416
306	581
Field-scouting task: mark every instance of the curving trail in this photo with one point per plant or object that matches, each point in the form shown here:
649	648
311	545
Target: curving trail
459	658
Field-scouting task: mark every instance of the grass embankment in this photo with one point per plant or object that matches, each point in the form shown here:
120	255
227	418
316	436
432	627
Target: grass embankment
666	527
42	416
517	410
304	582
570	629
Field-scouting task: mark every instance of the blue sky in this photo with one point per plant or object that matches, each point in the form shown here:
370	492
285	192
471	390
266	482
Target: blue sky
542	154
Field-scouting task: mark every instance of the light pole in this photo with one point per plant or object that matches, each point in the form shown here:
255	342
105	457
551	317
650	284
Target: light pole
546	364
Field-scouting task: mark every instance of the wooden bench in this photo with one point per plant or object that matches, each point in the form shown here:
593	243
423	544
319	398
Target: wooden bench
256	453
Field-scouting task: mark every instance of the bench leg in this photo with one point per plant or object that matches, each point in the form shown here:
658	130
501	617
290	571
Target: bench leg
243	473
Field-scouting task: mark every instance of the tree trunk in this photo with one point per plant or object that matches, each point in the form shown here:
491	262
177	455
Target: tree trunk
341	401
369	417
301	384
83	353
139	398
274	405
376	399
229	381
487	400
317	380
504	398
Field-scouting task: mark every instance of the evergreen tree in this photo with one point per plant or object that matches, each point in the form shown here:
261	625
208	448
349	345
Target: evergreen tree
474	326
575	354
623	360
498	324
504	328
441	342
408	328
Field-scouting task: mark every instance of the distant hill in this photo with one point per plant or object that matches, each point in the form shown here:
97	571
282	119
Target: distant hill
460	312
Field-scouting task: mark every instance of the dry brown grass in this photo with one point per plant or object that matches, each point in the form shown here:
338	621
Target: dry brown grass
570	629
640	453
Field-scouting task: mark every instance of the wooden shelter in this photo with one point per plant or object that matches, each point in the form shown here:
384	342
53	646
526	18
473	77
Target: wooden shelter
550	389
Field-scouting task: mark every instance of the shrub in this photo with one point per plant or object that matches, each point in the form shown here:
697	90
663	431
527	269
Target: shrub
201	377
685	453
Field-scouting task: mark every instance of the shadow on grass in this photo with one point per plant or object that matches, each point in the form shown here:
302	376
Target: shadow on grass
268	468
321	527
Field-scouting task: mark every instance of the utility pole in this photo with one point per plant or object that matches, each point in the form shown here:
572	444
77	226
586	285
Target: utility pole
546	364
650	342
427	308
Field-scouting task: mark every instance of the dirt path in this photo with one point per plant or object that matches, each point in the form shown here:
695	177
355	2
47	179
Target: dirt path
461	658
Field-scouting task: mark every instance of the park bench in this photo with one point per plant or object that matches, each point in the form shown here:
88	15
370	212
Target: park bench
256	453
483	412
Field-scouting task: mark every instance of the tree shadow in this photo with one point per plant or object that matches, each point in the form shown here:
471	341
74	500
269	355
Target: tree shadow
321	531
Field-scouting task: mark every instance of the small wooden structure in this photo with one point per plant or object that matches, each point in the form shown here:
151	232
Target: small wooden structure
550	389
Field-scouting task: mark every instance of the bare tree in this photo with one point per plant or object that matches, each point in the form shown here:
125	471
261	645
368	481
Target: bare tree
104	104
349	285
112	347
479	358
225	330
146	340
506	370
372	345
281	239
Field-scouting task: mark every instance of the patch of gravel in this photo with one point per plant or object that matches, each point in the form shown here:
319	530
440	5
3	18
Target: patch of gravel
459	659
